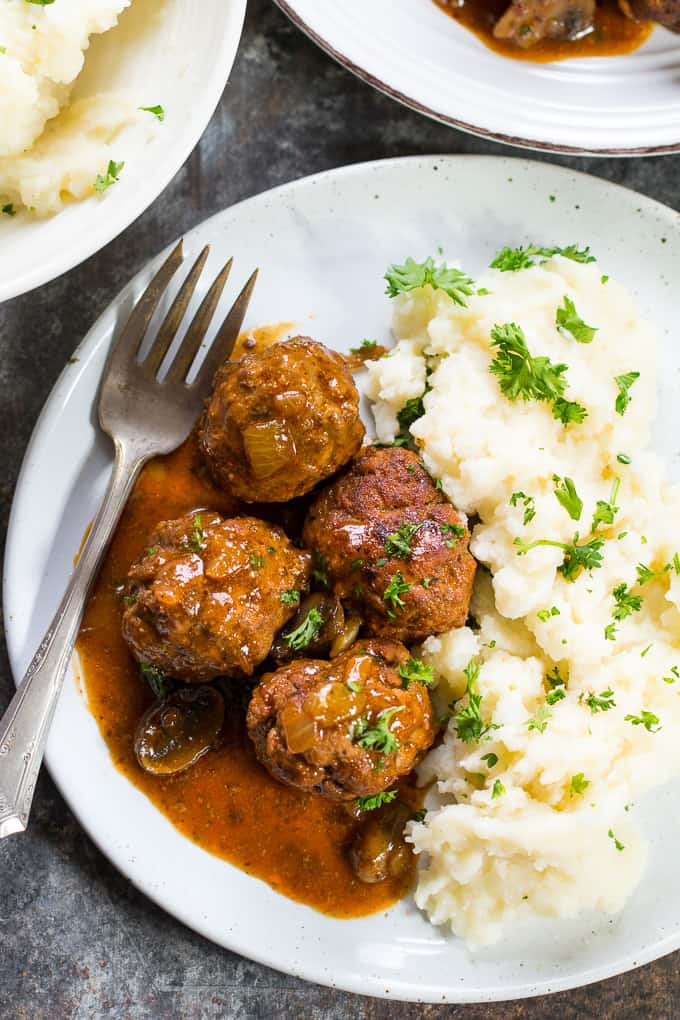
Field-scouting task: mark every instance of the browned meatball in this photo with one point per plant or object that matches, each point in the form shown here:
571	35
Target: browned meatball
346	728
393	546
205	600
281	420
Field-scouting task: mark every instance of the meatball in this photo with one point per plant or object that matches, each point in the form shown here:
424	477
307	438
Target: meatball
208	595
527	22
393	546
346	728
281	420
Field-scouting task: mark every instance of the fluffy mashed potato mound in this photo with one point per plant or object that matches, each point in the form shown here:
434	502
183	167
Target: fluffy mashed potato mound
571	678
42	54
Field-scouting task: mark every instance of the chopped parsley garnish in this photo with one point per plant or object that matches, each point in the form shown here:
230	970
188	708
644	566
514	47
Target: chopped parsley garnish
393	592
555	695
498	789
415	670
468	721
308	631
540	720
410	412
104	181
676	563
579	784
412	274
624	383
527	502
356	564
601	702
623	458
645	574
320	569
671	679
196	540
398	544
545	614
158	681
8	209
130	599
555	678
365	345
353	685
509	260
586	556
610	632
617	842
569	412
491	759
152	550
567	496
519	373
568	320
605	512
419	816
371	803
378	737
651	722
291	597
626	604
157	111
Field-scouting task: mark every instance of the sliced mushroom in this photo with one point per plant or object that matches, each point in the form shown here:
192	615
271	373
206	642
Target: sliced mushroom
378	850
318	628
175	732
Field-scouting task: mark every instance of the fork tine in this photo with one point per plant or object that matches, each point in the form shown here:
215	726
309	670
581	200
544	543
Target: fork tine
173	319
226	336
134	329
199	326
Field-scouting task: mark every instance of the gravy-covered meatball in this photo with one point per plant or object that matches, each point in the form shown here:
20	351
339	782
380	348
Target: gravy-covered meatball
281	420
208	595
393	546
346	728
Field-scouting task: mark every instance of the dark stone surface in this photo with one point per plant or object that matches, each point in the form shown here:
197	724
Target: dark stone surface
76	941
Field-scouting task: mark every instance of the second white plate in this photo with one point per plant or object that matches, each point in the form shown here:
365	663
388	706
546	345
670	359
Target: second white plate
411	50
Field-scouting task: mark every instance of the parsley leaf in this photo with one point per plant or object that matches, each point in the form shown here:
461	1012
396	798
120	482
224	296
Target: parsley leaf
617	842
518	372
513	259
606	511
579	784
529	505
309	629
158	681
586	556
104	181
393	592
416	670
291	597
626	604
645	574
624	383
8	209
491	759
566	496
398	544
647	719
569	411
610	632
468	721
365	345
412	274
498	789
371	803
157	111
320	569
378	737
540	720
568	320
196	541
545	614
601	702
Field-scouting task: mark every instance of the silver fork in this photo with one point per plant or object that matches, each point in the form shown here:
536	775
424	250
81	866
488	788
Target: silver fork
144	417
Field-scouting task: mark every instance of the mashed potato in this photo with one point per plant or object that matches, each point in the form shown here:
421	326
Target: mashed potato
577	671
44	153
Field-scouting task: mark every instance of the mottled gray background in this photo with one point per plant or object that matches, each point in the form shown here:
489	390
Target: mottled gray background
76	941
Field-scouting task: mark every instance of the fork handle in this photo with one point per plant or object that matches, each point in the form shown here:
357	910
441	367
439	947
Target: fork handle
26	723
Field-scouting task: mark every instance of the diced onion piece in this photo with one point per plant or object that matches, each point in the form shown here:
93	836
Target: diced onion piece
269	447
335	703
299	729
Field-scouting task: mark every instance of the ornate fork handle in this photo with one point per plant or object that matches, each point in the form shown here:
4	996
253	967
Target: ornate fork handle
26	723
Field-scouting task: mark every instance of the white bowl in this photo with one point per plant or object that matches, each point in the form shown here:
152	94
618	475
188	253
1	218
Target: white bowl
178	54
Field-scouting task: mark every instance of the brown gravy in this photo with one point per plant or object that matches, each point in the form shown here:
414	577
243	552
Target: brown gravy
613	35
226	803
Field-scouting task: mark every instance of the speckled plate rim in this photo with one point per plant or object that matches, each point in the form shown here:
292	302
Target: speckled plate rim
535	145
67	382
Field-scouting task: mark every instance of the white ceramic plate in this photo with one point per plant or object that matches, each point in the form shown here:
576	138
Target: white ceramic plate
322	245
178	54
414	52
